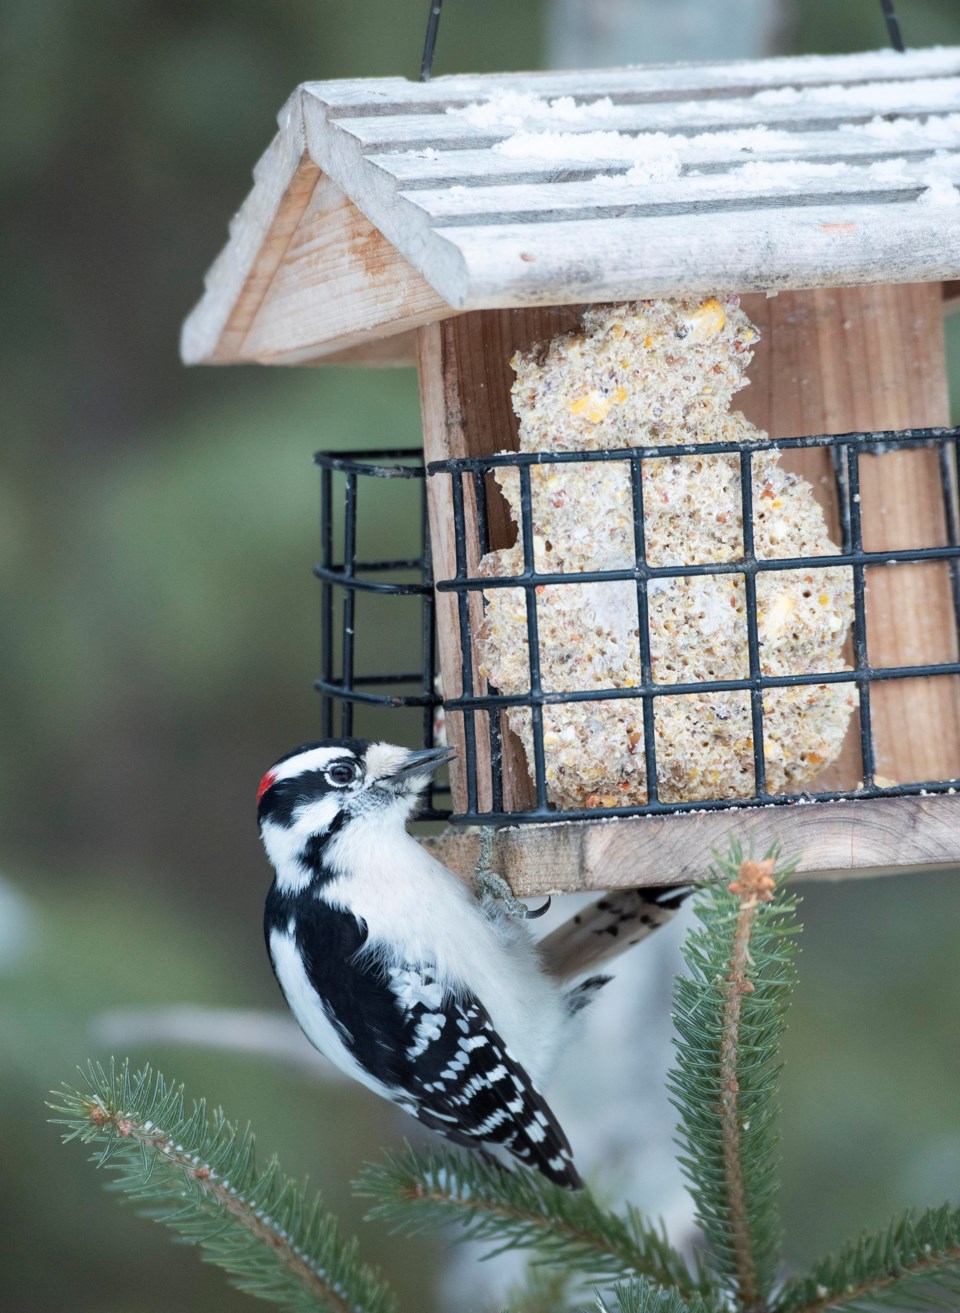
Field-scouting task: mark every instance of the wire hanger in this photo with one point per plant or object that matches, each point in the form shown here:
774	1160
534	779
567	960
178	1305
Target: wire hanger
893	25
430	41
433	26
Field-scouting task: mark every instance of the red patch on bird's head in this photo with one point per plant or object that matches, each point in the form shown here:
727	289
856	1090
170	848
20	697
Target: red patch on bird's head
265	783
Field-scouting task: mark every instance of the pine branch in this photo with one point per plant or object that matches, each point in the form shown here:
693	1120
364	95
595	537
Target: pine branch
518	1209
913	1262
646	1297
729	1013
199	1177
543	1290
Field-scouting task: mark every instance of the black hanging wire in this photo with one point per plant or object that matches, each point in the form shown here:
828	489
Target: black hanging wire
433	26
430	41
893	25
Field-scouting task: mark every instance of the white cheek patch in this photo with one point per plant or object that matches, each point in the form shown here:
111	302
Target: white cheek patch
283	848
285	843
315	817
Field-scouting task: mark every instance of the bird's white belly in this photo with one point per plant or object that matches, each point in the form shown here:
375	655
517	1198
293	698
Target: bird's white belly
417	912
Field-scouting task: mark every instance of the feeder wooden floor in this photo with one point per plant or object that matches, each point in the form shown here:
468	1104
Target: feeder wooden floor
876	836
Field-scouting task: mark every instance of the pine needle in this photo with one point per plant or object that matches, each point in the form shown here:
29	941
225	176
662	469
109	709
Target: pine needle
912	1263
198	1175
517	1209
645	1297
543	1290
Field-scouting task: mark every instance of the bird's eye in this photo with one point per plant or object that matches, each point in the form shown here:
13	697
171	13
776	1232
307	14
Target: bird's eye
344	772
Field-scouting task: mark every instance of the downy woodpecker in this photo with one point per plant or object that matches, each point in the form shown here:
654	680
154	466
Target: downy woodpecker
394	969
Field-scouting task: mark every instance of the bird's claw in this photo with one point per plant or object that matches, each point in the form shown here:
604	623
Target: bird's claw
492	888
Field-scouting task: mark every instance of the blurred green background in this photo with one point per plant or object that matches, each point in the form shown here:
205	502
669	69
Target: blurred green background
157	532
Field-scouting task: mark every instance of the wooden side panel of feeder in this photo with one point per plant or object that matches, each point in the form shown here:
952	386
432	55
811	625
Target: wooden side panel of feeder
838	360
465	382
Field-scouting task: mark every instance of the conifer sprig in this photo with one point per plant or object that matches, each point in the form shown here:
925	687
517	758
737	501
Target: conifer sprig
199	1176
641	1296
729	1015
518	1209
543	1290
914	1262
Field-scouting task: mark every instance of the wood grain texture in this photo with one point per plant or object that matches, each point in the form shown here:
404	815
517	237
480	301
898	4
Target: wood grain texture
692	253
284	179
869	358
465	382
836	840
338	276
600	932
305	274
398	351
786	399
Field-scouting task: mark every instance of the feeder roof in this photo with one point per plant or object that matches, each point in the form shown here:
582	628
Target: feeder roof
385	204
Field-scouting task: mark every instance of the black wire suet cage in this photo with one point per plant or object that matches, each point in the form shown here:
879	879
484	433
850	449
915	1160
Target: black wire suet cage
355	695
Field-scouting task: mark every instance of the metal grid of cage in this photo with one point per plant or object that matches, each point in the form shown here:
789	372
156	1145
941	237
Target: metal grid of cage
356	699
478	715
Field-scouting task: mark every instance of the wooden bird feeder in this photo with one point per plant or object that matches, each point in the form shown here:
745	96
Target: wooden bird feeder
456	223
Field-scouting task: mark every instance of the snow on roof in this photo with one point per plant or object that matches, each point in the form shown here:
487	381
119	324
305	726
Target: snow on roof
525	189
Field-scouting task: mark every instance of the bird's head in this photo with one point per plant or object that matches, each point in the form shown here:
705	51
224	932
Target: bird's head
311	793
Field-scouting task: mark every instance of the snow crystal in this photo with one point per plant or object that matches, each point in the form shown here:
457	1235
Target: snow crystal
758	138
511	109
886	95
889	170
787	174
661	167
935	129
939	191
646	148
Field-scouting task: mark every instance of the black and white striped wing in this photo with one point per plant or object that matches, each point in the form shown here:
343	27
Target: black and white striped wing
465	1084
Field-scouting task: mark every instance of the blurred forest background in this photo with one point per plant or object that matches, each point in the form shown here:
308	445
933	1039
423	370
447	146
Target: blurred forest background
157	532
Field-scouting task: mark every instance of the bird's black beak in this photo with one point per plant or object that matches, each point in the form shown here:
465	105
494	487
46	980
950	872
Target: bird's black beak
423	763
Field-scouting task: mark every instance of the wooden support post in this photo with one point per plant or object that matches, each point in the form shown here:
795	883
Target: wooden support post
837	360
465	382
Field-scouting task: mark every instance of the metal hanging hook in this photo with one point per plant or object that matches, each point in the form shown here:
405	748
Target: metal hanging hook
430	41
893	25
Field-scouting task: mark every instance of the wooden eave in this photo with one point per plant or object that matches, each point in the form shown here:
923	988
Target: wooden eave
382	205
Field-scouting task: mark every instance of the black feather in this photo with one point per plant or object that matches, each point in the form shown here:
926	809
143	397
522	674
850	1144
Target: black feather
439	1056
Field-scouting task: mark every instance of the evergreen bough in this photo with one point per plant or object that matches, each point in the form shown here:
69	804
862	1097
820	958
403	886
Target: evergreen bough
197	1172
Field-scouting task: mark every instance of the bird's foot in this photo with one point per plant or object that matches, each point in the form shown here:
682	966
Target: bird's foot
492	889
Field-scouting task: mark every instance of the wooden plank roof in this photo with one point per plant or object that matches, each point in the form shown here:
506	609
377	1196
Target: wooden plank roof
383	204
